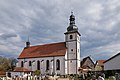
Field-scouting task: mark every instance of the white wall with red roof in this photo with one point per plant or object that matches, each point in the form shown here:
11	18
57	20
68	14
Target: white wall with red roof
52	64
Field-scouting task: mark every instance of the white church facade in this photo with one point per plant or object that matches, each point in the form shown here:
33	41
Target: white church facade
55	58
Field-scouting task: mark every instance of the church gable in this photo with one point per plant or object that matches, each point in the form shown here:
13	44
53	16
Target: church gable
47	50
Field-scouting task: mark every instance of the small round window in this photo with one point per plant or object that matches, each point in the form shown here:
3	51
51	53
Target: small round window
71	49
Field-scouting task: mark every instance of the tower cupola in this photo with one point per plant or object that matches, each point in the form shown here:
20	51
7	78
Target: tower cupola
72	27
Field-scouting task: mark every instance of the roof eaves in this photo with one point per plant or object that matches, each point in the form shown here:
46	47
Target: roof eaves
39	57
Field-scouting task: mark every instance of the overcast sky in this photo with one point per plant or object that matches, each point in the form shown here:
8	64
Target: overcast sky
45	21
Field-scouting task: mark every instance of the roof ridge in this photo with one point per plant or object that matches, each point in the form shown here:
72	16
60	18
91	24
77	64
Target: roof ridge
45	44
101	60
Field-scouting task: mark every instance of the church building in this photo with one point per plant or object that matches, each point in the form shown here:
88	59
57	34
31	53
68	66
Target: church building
56	58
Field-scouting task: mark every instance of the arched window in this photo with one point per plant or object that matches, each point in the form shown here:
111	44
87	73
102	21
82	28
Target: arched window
58	64
38	65
22	64
30	63
47	65
71	37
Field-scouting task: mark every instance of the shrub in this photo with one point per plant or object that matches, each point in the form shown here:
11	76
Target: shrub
37	72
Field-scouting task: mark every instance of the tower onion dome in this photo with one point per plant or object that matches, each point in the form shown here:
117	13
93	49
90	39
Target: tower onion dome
72	26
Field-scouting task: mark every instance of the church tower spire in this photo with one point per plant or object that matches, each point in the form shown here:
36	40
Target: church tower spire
72	39
72	19
72	26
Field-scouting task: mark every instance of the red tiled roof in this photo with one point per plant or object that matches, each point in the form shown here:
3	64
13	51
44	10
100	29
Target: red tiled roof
100	61
2	73
21	69
54	49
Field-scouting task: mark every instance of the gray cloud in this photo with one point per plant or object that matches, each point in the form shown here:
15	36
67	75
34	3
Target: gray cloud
6	36
46	21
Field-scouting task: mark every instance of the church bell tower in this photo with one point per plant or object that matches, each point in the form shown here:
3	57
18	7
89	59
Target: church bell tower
72	39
